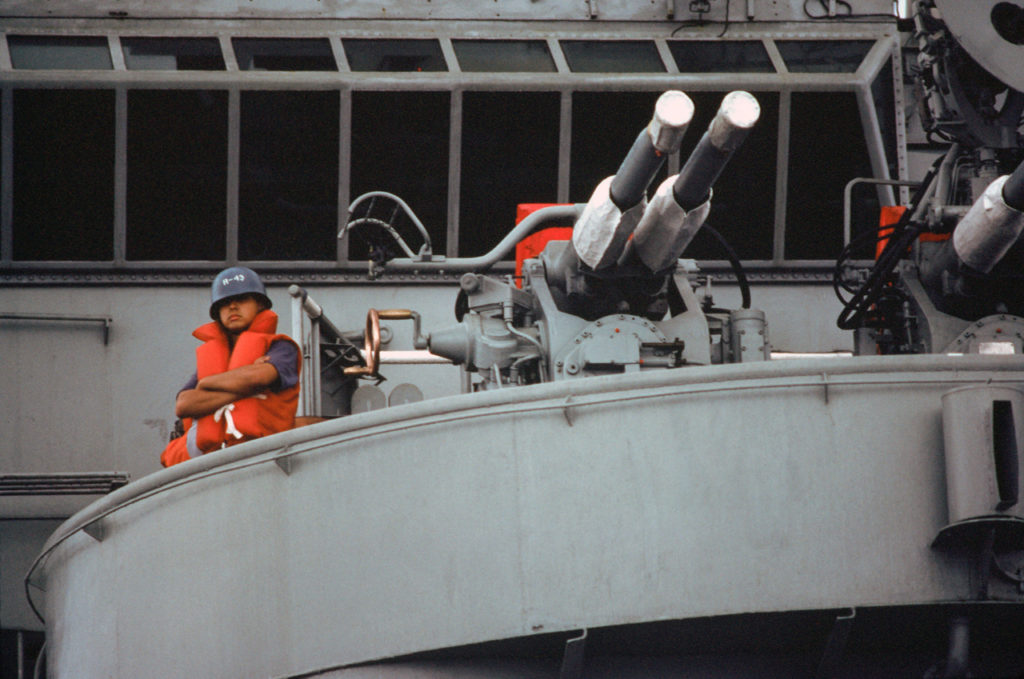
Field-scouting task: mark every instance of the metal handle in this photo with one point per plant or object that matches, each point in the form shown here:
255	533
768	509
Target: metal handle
394	314
371	346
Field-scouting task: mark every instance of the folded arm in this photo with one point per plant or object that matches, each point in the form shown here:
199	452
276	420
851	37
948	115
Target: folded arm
218	390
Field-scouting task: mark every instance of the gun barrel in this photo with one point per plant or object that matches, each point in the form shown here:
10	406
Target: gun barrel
993	224
681	204
1013	189
615	207
662	136
730	126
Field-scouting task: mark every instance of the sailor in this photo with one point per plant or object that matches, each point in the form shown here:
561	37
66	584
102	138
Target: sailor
246	383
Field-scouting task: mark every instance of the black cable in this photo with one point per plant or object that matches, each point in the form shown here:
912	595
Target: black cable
31	604
734	261
726	28
852	315
903	235
846	254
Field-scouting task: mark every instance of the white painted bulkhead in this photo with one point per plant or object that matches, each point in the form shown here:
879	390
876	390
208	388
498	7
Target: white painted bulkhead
669	495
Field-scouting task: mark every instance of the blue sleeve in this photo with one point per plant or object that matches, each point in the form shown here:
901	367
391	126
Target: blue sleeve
191	384
285	359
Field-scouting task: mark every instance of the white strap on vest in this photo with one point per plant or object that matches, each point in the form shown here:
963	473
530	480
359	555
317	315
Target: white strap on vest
224	413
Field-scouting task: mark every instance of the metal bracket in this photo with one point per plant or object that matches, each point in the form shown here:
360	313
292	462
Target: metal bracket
572	660
567	410
284	461
105	320
836	645
95	529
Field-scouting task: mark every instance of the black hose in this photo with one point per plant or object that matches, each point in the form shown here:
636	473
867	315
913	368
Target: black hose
903	235
734	261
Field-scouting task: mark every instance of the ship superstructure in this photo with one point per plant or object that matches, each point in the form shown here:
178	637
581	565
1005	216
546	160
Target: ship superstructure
600	464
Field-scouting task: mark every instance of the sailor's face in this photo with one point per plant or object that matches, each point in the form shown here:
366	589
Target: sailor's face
237	313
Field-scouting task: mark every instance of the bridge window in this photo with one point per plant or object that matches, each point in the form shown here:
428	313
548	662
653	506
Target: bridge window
284	54
59	52
63	184
612	56
288	176
704	56
503	55
177	178
509	156
260	167
823	56
822	120
172	54
394	55
400	145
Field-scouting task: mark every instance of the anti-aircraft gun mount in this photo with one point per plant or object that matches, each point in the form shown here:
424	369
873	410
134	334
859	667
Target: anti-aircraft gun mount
616	298
947	276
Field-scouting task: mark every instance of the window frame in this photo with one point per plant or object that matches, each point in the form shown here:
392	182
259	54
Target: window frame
884	53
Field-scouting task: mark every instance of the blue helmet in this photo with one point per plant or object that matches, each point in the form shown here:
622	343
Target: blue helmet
236	280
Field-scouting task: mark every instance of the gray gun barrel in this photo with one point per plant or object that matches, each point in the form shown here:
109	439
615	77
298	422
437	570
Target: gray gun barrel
662	136
993	224
681	204
615	206
1013	189
730	126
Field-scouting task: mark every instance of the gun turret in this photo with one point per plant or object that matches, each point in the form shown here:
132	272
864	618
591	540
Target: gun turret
598	304
606	272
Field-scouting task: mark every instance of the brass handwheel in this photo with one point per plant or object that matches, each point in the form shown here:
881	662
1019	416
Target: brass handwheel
371	340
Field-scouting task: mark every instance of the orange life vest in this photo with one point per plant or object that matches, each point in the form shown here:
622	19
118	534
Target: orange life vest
248	418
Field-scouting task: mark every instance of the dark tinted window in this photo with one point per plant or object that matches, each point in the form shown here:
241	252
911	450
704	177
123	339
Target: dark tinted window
823	56
177	174
826	150
400	145
288	184
509	156
280	54
503	55
394	55
172	54
612	56
59	52
746	56
64	183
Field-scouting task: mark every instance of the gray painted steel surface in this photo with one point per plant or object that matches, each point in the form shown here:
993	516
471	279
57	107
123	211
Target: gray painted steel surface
778	486
579	10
